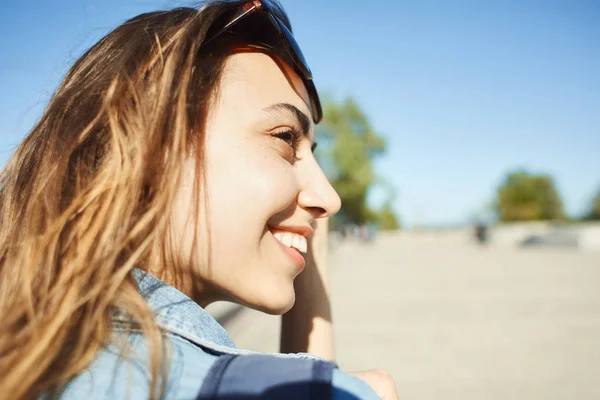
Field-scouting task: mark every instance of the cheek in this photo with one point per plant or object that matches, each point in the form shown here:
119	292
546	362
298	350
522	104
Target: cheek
249	186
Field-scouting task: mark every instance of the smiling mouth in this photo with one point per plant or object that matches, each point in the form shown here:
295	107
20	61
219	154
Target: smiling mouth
292	240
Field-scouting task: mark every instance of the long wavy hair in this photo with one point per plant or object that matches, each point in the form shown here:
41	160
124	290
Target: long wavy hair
84	199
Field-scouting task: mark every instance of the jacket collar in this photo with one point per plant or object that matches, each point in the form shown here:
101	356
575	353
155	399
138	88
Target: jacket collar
178	314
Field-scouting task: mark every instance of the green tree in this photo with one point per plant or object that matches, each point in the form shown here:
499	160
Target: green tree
594	213
527	197
386	218
348	144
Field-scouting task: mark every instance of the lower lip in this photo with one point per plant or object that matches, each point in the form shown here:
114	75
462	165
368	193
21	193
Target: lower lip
293	254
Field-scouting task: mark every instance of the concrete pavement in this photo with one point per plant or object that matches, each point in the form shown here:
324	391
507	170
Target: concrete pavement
452	320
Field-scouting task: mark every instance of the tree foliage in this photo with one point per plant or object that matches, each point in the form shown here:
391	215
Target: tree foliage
594	213
386	218
348	145
528	197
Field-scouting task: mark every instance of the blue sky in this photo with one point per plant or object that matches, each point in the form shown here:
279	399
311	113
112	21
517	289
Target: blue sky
462	91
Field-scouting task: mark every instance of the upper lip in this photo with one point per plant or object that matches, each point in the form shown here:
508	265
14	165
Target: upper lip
305	231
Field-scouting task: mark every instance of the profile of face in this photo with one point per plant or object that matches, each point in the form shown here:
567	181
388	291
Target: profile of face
262	184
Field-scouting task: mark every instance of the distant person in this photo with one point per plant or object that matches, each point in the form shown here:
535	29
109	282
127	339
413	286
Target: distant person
481	232
172	168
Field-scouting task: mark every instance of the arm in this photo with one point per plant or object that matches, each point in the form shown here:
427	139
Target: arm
308	327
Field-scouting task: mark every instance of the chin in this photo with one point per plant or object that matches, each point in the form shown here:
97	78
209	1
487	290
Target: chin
278	302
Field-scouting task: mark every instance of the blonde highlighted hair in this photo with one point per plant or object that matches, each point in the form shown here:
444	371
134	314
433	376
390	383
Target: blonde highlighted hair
84	198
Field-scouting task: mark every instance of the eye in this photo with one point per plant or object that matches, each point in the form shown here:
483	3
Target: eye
287	136
291	137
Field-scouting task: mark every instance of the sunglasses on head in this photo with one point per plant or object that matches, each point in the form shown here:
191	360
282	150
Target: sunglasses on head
248	21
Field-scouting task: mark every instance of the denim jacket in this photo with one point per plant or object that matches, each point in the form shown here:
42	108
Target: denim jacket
205	364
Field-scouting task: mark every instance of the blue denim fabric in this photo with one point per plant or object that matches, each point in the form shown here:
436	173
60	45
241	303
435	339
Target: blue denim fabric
203	355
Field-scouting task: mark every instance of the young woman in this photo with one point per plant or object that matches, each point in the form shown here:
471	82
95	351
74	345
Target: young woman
172	168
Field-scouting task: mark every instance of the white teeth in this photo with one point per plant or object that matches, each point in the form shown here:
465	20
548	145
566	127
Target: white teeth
300	243
284	237
294	240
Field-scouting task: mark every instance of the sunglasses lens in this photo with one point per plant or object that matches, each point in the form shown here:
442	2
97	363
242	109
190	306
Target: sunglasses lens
265	30
292	46
296	58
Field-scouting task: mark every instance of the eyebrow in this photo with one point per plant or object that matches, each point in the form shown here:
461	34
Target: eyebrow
295	112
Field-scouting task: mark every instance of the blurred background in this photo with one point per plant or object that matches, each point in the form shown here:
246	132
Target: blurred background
464	140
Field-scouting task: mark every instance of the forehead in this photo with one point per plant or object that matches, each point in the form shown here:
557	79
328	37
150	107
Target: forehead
253	81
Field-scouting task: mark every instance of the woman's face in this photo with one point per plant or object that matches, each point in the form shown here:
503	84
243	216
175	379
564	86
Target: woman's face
263	189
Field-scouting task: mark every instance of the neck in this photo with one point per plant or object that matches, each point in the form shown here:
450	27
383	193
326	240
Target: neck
190	284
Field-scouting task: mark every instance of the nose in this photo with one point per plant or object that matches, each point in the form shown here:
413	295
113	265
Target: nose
316	193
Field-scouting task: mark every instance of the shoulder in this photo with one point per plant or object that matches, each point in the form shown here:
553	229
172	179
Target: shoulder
281	376
116	374
195	373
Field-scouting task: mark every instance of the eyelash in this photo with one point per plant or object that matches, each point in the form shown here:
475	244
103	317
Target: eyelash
291	137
